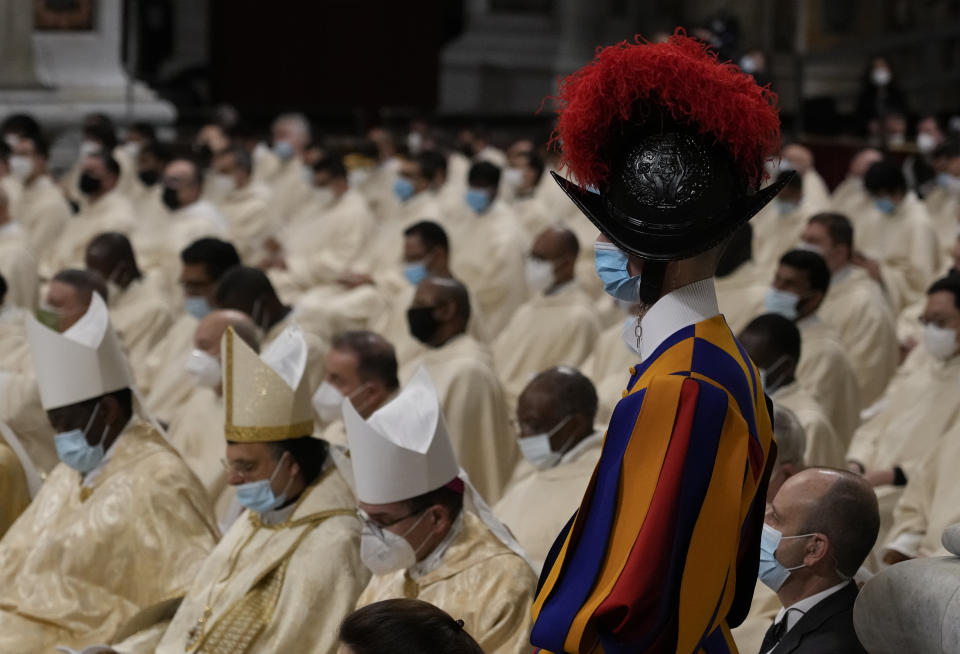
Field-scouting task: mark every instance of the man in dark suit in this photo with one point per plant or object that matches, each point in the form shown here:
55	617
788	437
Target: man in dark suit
817	532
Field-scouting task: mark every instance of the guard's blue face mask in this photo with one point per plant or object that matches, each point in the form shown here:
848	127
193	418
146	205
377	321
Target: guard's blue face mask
611	263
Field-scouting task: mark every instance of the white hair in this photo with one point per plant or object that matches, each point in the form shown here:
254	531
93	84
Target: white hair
791	439
298	121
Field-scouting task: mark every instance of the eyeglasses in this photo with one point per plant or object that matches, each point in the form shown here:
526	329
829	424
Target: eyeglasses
378	527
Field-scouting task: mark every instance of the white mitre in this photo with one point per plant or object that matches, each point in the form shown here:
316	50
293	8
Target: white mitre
266	397
84	362
403	449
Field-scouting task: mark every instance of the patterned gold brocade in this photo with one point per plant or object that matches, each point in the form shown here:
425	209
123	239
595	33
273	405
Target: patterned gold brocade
260	405
272	588
479	581
72	572
261	434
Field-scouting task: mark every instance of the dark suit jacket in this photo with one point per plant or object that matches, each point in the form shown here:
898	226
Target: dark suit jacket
827	628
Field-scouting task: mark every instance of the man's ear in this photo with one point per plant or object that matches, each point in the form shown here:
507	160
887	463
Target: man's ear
818	548
445	311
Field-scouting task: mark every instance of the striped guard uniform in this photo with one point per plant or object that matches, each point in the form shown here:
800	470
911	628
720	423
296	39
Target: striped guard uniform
662	554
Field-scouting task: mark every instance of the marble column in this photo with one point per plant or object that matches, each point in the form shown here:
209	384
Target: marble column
16	46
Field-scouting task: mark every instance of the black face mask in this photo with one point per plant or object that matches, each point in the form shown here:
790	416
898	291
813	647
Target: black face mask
170	198
423	326
89	184
149	177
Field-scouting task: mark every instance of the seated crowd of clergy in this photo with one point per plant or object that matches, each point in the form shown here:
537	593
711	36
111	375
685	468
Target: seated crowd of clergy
250	388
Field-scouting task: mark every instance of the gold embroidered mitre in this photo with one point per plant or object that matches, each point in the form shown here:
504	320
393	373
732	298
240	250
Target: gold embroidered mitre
267	397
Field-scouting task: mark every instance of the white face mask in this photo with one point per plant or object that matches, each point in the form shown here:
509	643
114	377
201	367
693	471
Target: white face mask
89	147
941	342
539	275
21	166
881	76
512	178
204	367
383	551
810	247
537	450
328	400
132	149
926	142
358	177
220	185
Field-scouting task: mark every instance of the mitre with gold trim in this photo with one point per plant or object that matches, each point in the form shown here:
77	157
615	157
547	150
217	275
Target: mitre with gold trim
267	397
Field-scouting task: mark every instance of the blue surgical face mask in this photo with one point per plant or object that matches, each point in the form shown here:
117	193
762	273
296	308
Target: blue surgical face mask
884	205
782	302
403	188
611	264
283	150
198	307
415	272
772	572
258	496
477	199
74	450
787	206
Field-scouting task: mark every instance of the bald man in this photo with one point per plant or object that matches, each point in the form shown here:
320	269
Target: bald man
850	197
557	326
17	265
560	446
138	310
470	392
68	297
818	531
197	429
773	343
249	290
105	210
791	443
189	217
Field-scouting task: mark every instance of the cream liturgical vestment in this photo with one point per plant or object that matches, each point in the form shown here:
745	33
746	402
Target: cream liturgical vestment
776	230
479	580
851	198
290	188
18	267
14	491
824	446
111	213
141	319
249	219
164	378
860	314
548	330
268	587
826	372
609	368
943	206
322	242
905	244
85	557
487	254
538	503
930	502
920	405
43	212
384	250
476	410
196	432
741	295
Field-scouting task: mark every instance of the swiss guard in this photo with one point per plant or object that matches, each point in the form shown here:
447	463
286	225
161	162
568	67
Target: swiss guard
666	147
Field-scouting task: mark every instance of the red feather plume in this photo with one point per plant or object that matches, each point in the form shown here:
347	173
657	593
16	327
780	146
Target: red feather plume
685	79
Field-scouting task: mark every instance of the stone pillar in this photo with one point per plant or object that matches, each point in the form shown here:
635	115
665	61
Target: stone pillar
16	46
